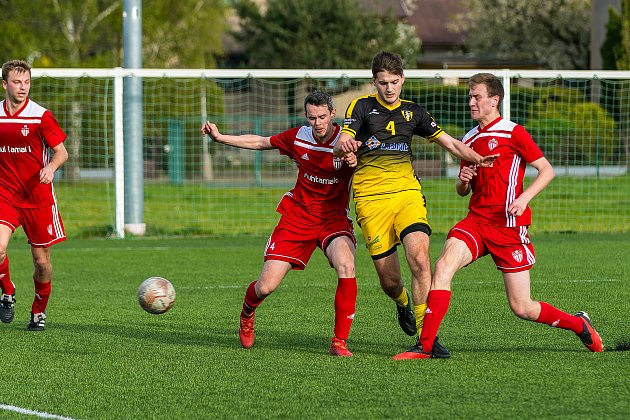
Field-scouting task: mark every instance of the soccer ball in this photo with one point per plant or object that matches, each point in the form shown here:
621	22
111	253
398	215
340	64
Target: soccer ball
156	295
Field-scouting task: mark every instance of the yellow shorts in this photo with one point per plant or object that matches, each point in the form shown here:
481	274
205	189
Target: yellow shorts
385	221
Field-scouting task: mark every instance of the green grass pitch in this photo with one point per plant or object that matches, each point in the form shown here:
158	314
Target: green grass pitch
102	357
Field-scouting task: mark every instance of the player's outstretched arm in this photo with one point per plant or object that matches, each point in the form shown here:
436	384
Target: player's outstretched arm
244	141
462	151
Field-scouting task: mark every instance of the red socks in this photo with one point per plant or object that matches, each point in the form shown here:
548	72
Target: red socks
251	301
345	306
556	318
42	293
437	306
6	284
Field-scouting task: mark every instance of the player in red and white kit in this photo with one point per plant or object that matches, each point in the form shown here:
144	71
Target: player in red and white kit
27	196
497	222
314	214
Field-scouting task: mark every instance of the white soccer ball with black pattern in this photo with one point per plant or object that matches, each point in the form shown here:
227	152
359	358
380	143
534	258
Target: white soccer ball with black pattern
156	295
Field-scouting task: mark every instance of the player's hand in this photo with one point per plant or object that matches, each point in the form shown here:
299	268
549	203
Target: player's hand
518	206
46	175
350	146
488	160
467	173
350	159
211	130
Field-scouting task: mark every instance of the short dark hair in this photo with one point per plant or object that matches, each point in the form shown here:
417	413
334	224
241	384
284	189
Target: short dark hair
20	66
319	98
387	61
492	82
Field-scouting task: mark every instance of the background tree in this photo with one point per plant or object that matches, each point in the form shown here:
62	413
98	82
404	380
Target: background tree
336	34
88	33
616	47
555	34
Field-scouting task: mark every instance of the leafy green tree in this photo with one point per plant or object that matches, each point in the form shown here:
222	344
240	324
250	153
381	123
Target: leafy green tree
616	47
555	34
612	48
88	33
335	34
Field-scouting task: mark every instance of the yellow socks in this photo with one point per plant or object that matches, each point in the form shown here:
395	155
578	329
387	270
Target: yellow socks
419	311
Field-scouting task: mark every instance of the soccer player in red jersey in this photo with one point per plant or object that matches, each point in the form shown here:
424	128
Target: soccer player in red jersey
313	214
497	221
27	196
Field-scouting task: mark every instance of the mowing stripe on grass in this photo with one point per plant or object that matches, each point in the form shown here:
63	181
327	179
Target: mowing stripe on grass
26	411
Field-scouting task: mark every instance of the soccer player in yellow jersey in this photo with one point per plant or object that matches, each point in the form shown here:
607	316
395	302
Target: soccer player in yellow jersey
390	207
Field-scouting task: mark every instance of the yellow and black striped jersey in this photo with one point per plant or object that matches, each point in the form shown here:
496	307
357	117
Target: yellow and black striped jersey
384	158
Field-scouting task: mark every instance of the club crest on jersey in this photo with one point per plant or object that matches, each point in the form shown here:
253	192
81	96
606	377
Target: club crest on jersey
517	255
337	163
492	143
372	143
25	130
408	115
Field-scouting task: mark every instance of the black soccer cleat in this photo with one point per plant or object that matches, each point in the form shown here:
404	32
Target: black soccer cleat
439	351
38	322
406	317
589	336
7	310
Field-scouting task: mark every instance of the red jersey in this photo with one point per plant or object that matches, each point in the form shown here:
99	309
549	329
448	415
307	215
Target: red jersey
323	183
494	188
24	141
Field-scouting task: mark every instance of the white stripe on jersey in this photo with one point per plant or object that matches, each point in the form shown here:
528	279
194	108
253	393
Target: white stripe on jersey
523	234
306	135
32	110
511	190
312	147
20	121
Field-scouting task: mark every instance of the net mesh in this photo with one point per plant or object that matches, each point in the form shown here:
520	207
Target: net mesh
193	186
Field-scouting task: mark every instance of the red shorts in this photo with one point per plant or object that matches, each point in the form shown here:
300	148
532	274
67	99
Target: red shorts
42	225
510	247
294	240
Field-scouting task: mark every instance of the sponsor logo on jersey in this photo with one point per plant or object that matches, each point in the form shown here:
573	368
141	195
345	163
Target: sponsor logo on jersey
408	115
373	112
304	156
337	163
492	143
348	121
25	130
323	181
398	147
372	143
517	255
372	242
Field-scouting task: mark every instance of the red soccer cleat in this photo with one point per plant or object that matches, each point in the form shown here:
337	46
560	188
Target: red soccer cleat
246	332
338	347
589	336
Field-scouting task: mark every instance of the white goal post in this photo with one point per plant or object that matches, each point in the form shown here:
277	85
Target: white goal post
511	80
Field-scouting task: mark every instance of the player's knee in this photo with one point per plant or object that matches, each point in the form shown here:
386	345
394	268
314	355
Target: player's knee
345	268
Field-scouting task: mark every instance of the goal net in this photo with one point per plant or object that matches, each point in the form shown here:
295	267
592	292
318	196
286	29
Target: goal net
192	186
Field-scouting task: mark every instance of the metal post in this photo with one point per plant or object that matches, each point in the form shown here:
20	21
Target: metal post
133	122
